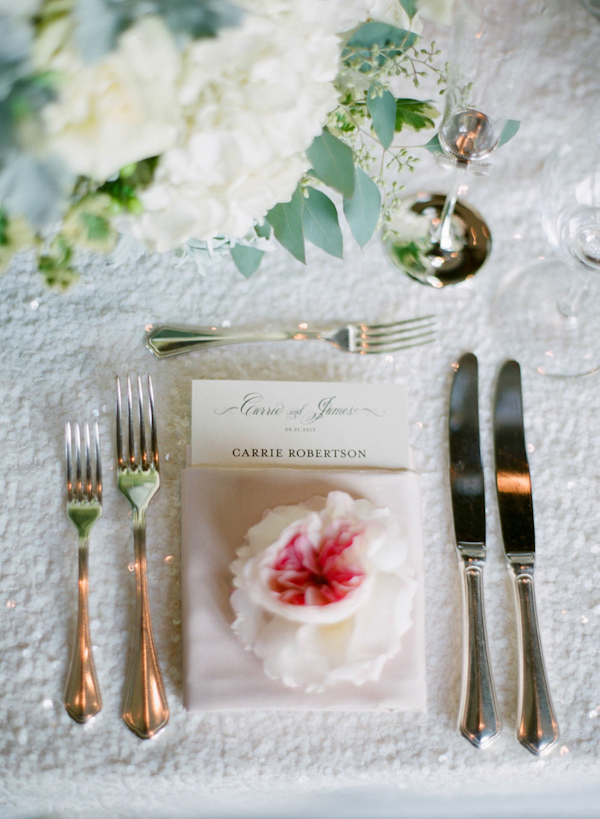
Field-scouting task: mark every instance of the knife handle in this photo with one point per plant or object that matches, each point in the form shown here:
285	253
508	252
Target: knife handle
537	728
478	720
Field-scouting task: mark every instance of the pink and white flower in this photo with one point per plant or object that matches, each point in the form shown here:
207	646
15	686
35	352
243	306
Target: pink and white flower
323	591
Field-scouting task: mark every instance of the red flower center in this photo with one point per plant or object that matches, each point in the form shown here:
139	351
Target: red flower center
307	575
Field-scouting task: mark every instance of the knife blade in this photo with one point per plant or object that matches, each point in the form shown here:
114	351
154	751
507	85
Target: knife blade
537	728
478	719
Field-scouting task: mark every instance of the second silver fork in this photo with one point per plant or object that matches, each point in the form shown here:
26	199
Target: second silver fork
145	709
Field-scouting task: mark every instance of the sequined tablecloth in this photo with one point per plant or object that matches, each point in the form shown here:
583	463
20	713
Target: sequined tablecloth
58	358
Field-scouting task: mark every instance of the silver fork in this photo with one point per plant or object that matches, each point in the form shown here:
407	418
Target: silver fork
145	709
363	339
84	507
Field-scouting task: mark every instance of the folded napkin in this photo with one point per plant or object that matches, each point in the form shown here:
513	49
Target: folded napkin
219	506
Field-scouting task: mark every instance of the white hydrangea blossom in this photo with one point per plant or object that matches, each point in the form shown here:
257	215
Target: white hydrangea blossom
253	99
116	110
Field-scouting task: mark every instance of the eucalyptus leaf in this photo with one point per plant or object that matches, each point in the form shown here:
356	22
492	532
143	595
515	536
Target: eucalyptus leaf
199	18
15	43
35	189
333	163
97	227
363	209
382	108
321	225
99	23
391	40
246	259
510	130
286	221
410	7
263	231
415	115
433	146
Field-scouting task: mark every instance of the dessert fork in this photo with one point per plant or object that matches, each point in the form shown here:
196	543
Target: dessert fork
145	710
84	507
363	339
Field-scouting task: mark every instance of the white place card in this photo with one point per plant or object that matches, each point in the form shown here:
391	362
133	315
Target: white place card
299	424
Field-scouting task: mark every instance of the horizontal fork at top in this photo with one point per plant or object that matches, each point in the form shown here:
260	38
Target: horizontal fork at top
361	338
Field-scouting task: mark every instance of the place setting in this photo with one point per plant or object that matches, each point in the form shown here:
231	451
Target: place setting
302	555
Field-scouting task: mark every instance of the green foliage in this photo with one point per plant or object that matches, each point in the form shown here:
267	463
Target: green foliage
510	130
382	107
97	227
246	259
321	225
410	7
35	188
286	221
56	265
409	256
363	209
373	44
415	115
4	240
123	190
98	23
263	231
333	162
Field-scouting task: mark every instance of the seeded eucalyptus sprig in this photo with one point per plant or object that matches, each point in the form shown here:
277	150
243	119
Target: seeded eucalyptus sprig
355	155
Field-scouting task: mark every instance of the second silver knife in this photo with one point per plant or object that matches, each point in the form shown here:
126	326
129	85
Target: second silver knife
537	728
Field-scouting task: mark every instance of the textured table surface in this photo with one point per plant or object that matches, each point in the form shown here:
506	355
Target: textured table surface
58	358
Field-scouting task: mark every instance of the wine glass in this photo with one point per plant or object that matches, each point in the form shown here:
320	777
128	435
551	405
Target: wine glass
483	73
548	313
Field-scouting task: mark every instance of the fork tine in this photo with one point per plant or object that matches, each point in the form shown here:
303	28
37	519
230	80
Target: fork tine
78	473
98	462
391	347
68	457
88	461
152	420
397	329
143	452
394	338
130	430
391	326
119	427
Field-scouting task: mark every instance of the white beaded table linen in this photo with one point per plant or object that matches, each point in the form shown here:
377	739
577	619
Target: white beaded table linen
58	359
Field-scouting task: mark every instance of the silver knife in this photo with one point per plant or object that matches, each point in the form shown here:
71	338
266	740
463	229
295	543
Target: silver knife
478	716
537	728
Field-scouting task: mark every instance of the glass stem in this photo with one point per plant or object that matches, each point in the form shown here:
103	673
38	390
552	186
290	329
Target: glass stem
442	235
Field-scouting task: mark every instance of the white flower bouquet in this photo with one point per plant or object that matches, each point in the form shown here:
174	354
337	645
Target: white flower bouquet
203	126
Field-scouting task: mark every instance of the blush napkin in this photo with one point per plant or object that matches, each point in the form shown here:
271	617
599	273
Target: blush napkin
219	505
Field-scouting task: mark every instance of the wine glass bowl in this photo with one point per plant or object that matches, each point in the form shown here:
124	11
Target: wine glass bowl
570	202
468	135
554	304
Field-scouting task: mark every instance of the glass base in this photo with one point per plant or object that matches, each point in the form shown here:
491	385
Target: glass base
547	316
424	260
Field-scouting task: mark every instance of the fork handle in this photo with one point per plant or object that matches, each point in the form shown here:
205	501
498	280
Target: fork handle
168	341
82	692
145	709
